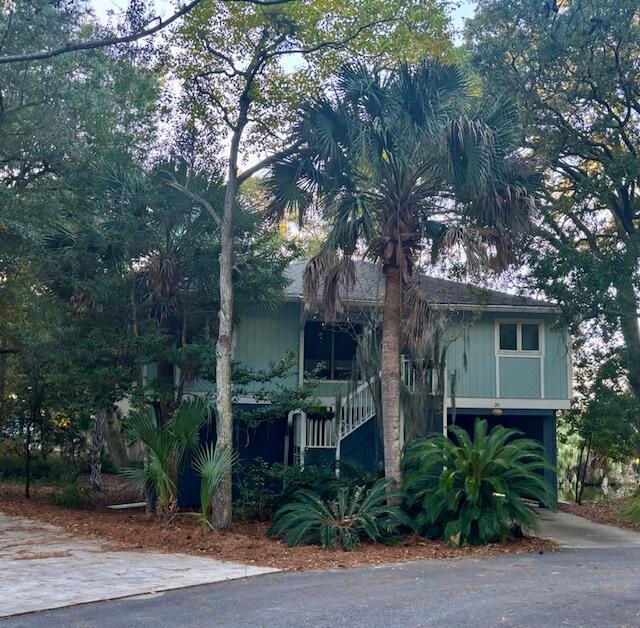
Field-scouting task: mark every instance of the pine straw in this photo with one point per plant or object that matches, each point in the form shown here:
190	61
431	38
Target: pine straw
245	542
607	511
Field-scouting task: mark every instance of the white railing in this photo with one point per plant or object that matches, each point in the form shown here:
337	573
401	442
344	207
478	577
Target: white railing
319	432
409	376
355	409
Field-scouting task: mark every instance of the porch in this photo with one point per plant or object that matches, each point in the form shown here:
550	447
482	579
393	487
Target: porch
350	433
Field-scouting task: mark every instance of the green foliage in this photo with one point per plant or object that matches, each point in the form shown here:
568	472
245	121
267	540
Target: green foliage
244	44
263	488
632	513
605	414
166	446
71	497
212	464
50	470
579	113
472	490
604	421
355	514
384	149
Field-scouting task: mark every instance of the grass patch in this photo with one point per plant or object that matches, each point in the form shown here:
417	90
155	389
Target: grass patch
632	512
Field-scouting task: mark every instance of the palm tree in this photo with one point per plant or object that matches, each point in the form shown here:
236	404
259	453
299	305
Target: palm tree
167	445
399	162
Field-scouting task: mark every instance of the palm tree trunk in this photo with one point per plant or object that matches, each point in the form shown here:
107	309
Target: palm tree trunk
390	380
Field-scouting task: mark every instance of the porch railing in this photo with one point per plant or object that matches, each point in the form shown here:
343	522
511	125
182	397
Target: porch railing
354	410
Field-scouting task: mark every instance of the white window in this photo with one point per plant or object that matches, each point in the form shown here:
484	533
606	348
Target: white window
519	337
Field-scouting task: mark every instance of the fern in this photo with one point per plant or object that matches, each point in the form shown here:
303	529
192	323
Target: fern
356	513
472	490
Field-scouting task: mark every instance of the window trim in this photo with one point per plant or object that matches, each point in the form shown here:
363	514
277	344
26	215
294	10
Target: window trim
519	351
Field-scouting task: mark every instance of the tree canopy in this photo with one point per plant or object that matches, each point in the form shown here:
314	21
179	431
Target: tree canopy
572	68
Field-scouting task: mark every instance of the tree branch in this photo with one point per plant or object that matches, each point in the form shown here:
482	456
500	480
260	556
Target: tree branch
266	162
333	44
203	202
125	39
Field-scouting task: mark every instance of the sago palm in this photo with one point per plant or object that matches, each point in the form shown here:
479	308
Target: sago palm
471	490
398	162
354	513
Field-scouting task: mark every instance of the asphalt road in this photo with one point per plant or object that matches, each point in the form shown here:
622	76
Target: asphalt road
587	587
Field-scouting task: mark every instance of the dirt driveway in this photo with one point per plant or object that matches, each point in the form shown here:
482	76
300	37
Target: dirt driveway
44	567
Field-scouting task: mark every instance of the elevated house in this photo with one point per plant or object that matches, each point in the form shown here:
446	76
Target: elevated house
506	360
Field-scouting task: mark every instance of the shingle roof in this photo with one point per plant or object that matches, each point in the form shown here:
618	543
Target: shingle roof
369	288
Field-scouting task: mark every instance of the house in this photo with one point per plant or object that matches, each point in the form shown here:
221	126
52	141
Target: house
506	360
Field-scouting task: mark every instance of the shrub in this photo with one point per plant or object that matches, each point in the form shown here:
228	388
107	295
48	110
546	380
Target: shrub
54	469
354	514
472	490
262	488
71	497
632	512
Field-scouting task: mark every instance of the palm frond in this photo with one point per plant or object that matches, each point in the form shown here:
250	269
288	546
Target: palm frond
472	490
354	513
211	464
187	420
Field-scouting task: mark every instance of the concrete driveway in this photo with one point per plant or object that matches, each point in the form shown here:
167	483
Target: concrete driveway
574	532
587	587
43	567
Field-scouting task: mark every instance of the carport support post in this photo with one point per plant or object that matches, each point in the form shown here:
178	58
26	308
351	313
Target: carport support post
549	441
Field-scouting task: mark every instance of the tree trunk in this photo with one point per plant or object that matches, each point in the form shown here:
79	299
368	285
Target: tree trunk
627	303
222	507
390	381
165	371
96	444
27	462
3	378
115	442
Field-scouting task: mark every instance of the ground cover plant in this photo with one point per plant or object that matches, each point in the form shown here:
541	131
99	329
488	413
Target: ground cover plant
471	489
356	513
632	512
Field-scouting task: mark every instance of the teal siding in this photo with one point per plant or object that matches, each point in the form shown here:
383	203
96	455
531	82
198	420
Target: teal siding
475	376
264	338
320	456
358	449
520	378
331	389
556	371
